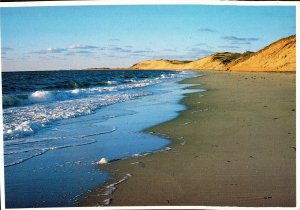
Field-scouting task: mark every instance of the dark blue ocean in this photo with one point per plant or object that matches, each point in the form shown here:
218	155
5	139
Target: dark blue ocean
58	124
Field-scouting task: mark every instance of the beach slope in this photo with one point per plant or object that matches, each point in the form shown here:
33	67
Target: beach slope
234	146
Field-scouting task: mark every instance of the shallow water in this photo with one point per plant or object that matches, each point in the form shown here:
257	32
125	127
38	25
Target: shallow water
33	101
55	165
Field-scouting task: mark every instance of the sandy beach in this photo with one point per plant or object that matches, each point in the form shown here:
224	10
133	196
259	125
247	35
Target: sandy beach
233	146
170	105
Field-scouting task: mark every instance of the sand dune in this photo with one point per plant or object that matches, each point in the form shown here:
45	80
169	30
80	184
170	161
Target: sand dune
159	65
278	56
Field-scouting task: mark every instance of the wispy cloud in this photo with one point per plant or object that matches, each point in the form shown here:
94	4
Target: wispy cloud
206	30
91	50
6	48
234	38
116	49
143	51
50	50
253	39
78	46
55	50
70	50
239	40
84	52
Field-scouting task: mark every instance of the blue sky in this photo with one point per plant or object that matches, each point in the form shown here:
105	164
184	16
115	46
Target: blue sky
73	37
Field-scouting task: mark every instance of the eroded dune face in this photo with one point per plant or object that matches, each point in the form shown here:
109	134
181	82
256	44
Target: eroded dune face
278	56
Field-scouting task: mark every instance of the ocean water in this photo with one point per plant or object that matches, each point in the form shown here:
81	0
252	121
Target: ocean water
58	124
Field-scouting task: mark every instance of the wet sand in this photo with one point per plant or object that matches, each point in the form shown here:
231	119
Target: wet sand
235	145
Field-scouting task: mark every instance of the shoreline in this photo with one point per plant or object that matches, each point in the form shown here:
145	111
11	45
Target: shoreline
112	131
165	98
235	163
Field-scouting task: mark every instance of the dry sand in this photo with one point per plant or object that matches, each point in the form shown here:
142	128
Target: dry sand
234	146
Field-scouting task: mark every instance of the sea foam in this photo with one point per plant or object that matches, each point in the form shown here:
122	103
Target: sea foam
24	121
40	96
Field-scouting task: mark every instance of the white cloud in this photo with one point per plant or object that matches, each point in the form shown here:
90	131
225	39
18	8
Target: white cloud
78	46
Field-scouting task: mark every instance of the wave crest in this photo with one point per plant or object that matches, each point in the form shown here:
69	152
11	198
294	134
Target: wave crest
40	96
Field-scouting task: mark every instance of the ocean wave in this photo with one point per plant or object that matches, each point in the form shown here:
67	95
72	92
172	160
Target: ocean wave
24	121
68	90
25	114
42	96
31	153
13	100
20	150
15	161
